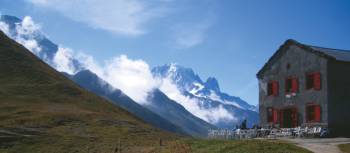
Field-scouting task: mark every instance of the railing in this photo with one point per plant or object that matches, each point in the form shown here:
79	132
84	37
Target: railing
267	133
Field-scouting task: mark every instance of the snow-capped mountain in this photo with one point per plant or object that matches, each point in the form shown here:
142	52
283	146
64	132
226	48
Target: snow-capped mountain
204	98
28	33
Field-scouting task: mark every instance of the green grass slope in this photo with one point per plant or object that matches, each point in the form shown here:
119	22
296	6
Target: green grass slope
42	111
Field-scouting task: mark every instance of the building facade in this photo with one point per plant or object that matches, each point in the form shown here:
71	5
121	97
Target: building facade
303	85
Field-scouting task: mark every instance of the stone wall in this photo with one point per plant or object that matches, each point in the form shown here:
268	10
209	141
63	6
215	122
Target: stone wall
301	62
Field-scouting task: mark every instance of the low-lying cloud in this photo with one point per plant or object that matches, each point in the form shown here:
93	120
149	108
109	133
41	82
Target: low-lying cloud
4	28
25	33
133	77
63	60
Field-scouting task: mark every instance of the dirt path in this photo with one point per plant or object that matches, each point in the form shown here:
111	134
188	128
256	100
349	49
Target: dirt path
317	145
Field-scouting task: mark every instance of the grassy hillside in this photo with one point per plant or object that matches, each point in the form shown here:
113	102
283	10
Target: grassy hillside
42	111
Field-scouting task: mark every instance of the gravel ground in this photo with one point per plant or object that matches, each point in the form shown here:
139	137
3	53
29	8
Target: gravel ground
320	145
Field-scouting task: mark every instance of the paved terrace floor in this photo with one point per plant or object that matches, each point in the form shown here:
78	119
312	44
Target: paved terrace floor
318	145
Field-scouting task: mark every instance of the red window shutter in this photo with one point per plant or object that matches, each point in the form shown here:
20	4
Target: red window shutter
294	85
275	116
317	113
317	81
275	88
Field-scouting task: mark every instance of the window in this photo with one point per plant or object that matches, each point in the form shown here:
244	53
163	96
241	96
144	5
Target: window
272	115
291	85
288	66
313	113
272	88
313	81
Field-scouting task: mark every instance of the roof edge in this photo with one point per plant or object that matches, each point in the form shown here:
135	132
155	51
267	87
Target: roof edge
285	46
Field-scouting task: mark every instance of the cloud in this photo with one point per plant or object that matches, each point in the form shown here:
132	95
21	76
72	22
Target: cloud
124	17
30	44
27	27
4	28
25	33
190	35
63	60
133	77
211	115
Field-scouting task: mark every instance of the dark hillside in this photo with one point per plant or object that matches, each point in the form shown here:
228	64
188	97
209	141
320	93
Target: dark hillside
43	111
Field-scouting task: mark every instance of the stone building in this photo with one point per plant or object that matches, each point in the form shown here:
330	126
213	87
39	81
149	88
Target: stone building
304	85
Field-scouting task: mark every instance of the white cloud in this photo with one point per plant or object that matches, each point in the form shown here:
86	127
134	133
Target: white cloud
27	27
63	60
4	28
124	17
89	62
30	44
190	35
211	115
133	77
25	33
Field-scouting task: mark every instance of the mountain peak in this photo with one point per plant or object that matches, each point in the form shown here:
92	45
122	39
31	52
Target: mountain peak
212	84
9	18
183	76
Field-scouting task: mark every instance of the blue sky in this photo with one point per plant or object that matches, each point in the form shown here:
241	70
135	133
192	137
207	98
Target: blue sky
230	40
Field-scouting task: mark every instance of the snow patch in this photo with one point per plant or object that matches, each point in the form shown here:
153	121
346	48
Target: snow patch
193	105
214	96
197	87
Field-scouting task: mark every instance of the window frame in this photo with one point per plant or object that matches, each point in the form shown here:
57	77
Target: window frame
317	113
291	85
314	79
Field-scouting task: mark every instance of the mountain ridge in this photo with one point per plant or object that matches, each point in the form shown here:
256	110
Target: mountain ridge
90	81
207	96
168	115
